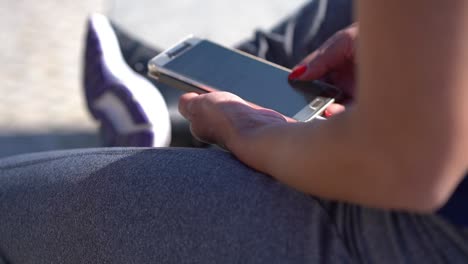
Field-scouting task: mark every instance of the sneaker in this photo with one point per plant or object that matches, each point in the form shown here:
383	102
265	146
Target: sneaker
130	109
136	53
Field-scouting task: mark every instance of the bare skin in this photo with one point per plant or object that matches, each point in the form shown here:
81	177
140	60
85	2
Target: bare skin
403	144
334	62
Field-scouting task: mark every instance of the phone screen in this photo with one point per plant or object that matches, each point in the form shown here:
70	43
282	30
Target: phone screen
251	79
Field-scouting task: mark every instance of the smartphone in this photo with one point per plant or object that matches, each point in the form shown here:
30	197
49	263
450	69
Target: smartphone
201	66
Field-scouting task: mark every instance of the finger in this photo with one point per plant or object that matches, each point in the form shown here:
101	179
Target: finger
185	103
333	53
322	61
209	114
196	108
333	109
194	133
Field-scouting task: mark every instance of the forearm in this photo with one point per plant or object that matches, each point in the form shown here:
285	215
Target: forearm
413	65
408	131
330	159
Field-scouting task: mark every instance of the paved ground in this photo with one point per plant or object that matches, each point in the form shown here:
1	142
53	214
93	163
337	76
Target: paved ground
164	22
41	105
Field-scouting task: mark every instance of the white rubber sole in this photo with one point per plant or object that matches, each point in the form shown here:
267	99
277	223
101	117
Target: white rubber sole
143	92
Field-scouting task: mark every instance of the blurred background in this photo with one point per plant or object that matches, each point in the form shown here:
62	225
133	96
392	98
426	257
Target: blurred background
41	43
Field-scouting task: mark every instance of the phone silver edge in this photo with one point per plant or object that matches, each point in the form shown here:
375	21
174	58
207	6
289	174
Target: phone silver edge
313	109
156	70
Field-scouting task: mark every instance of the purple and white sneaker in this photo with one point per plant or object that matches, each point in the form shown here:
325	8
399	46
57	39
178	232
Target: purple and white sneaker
131	110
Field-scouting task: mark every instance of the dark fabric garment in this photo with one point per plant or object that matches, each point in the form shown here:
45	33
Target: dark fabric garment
194	206
456	209
300	34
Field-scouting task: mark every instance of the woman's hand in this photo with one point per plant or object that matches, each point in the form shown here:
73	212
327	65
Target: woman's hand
333	63
225	119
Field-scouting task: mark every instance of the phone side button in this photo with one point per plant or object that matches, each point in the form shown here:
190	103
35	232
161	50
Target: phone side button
317	103
305	114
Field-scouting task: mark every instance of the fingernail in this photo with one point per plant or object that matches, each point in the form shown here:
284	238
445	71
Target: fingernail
297	72
327	113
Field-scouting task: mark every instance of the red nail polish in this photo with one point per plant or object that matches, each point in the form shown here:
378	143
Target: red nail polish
297	72
327	113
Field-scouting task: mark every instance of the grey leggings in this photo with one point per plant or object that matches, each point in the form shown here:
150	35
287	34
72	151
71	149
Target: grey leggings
194	206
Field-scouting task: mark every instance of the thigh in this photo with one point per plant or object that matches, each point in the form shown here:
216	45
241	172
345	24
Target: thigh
156	205
379	236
